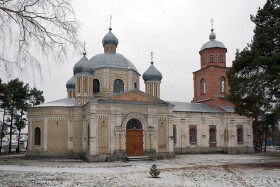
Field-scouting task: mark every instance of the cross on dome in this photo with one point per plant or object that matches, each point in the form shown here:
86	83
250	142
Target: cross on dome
152	57
212	23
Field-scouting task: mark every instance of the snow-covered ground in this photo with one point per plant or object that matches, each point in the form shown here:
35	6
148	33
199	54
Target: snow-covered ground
183	170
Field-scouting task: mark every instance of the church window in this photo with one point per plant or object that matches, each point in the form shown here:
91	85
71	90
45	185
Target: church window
192	135
96	86
223	85
221	58
37	137
211	59
212	135
88	133
202	60
118	86
135	86
151	89
202	86
107	48
79	85
85	85
174	134
240	135
134	124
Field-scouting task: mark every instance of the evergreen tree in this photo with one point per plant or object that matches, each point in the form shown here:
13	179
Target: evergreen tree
254	76
154	172
36	97
17	93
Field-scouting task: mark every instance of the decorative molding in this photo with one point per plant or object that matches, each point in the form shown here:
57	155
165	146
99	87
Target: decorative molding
36	119
162	118
103	116
119	130
112	83
100	82
138	116
57	118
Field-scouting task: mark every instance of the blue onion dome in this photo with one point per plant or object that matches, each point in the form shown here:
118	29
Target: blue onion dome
71	83
213	43
83	66
152	74
110	38
111	60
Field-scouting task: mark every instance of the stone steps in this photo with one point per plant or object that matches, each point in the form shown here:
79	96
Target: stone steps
137	158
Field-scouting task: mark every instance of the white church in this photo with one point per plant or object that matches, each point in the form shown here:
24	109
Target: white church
107	117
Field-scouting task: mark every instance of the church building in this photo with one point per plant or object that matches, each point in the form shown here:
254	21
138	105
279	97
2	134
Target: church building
107	117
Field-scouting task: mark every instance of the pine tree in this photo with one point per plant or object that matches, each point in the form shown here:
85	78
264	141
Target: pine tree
154	171
254	77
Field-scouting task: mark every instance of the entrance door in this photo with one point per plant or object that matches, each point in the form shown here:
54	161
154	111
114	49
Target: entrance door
134	138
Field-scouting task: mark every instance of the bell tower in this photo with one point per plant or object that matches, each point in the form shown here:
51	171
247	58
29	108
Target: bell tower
210	82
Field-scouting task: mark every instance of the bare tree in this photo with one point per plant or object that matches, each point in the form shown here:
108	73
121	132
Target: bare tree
31	28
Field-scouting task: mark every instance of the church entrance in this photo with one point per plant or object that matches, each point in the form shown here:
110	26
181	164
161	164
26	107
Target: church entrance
134	138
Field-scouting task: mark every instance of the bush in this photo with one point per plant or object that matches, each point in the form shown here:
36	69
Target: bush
154	171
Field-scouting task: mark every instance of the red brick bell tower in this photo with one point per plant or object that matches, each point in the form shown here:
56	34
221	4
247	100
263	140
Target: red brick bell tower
210	82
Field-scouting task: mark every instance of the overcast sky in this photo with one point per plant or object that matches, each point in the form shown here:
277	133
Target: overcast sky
174	30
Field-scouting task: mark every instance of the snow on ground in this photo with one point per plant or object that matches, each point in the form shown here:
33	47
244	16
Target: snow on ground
183	170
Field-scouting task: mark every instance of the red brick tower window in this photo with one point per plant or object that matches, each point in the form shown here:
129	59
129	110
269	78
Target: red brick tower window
223	85
202	60
221	58
211	58
202	87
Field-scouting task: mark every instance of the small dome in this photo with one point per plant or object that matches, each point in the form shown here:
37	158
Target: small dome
71	83
110	38
213	43
83	66
212	35
152	74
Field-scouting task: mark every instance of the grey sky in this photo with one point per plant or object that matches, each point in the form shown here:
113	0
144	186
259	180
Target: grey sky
174	30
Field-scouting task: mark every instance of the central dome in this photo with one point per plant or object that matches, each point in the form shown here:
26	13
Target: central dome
111	60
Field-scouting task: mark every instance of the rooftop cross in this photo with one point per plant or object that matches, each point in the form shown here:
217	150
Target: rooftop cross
152	57
212	23
84	52
110	28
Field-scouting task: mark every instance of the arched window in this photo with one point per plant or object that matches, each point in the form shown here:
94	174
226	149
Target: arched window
211	58
85	85
174	134
212	135
223	85
221	58
192	135
134	124
202	86
37	137
118	86
135	86
96	86
202	60
240	135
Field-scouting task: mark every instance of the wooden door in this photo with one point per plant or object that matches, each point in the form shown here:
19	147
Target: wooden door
134	142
